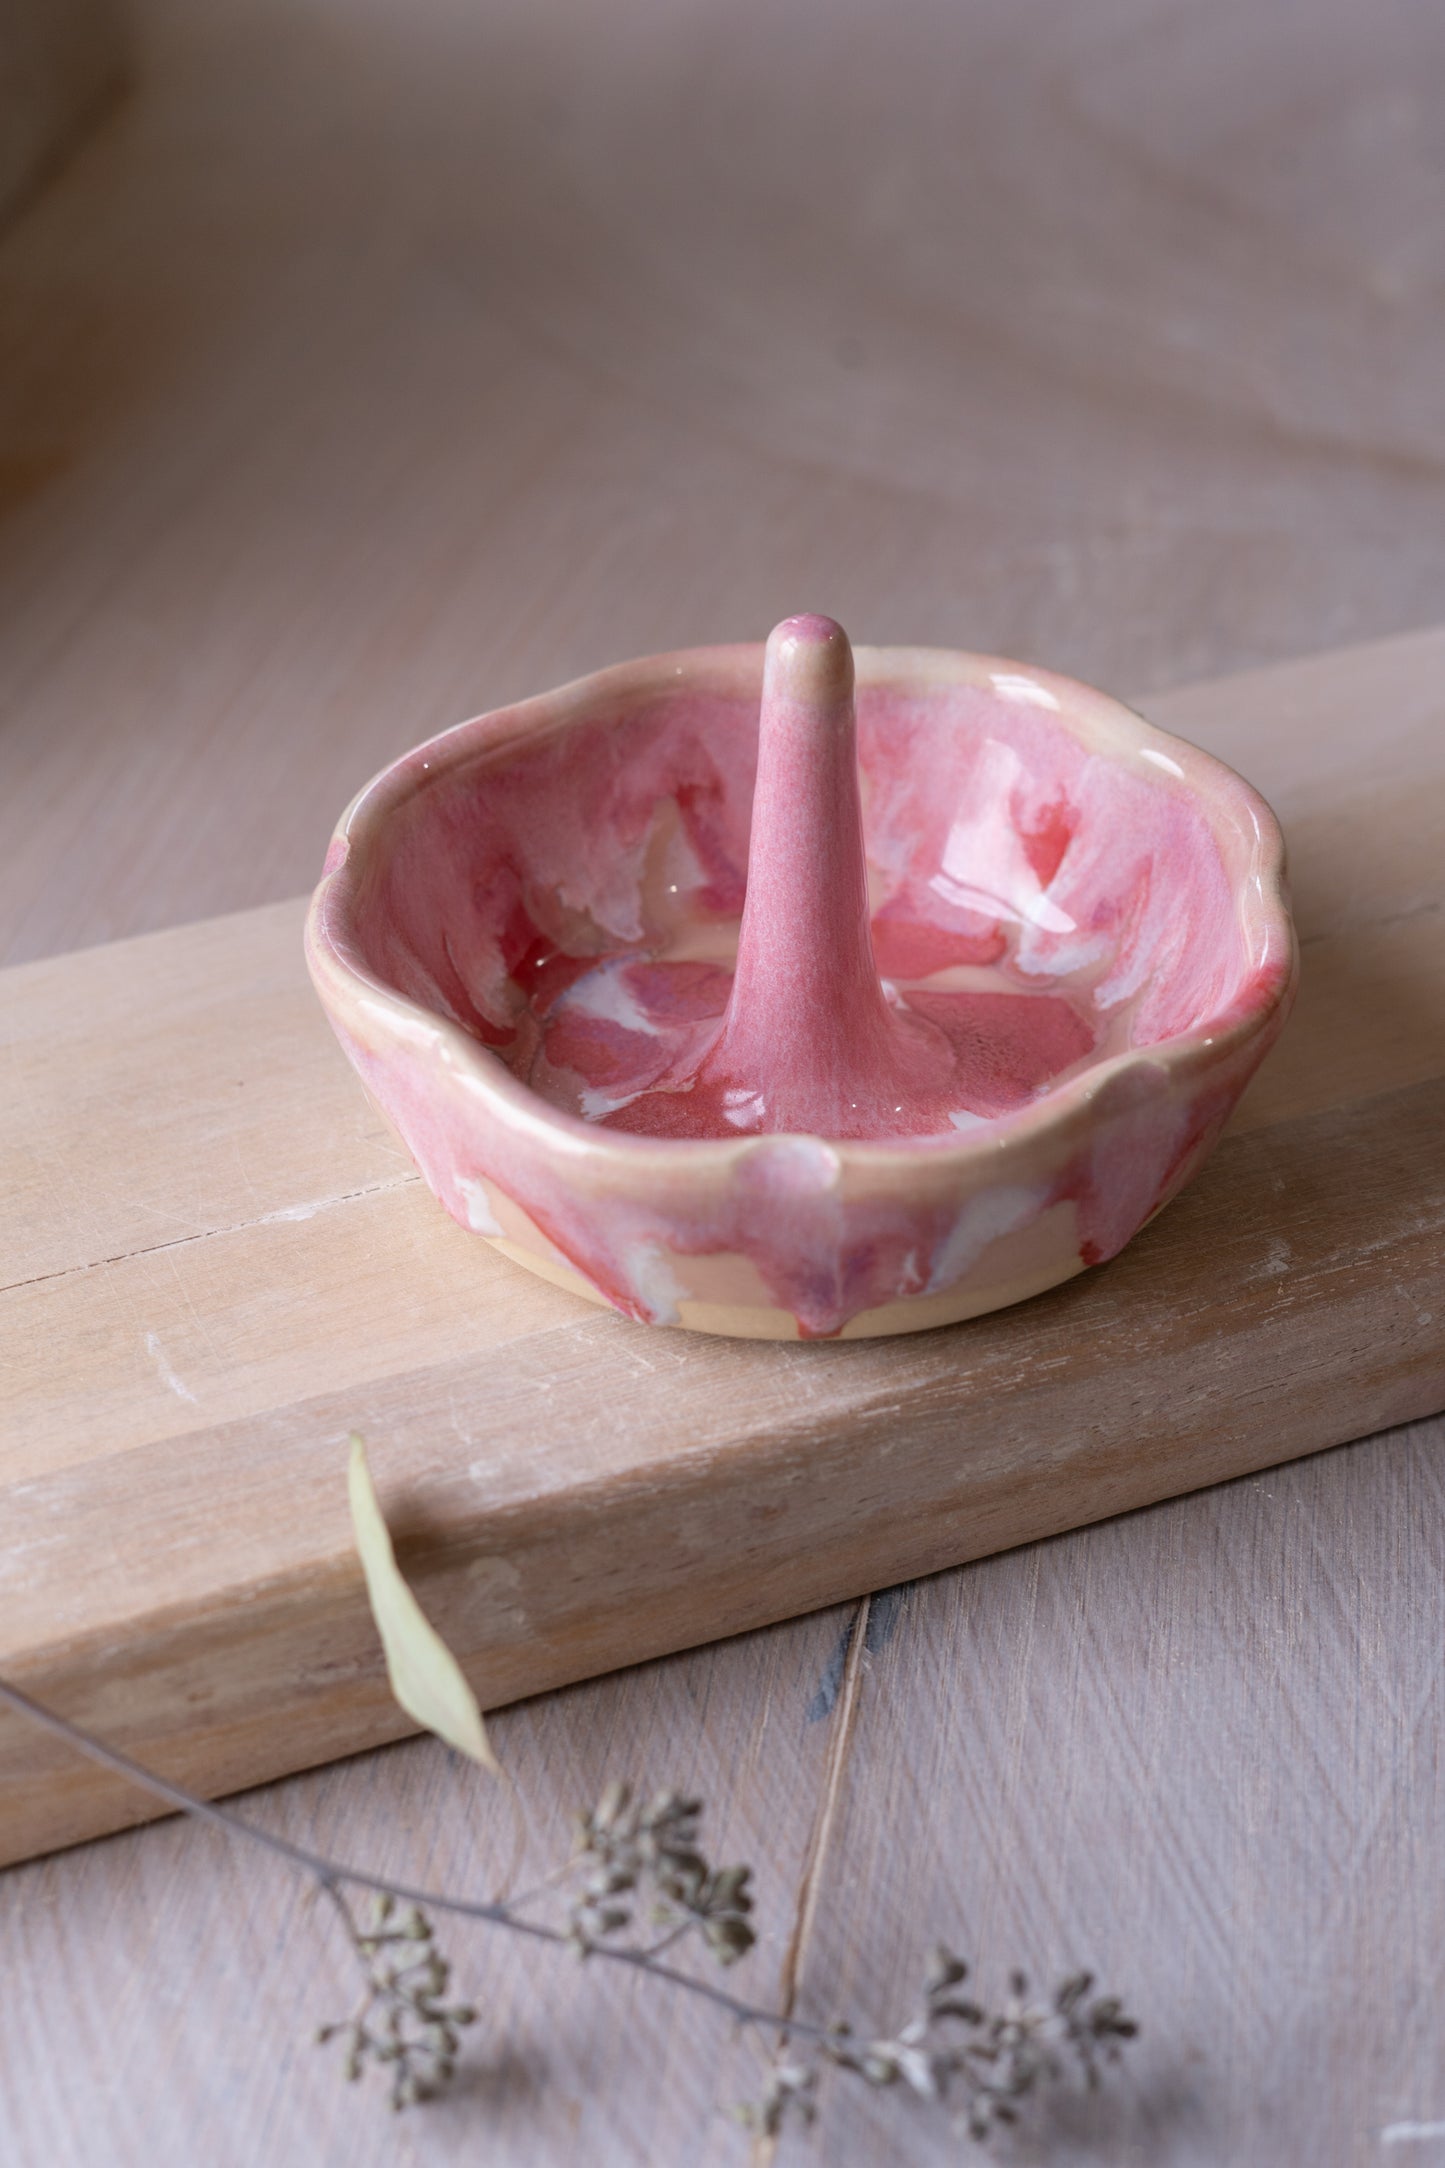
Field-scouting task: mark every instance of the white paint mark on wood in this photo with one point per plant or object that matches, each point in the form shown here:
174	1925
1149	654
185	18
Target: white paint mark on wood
1277	1259
494	1581
166	1374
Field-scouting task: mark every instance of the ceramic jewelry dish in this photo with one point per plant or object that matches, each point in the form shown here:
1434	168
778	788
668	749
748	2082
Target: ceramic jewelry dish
716	992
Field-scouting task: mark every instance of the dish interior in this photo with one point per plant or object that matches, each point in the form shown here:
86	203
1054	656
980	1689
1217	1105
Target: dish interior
1045	892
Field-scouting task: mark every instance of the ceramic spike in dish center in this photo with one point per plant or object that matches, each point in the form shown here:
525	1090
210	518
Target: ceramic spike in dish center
781	992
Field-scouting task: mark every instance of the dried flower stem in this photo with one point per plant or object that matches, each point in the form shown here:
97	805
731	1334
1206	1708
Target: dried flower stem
629	1848
330	1873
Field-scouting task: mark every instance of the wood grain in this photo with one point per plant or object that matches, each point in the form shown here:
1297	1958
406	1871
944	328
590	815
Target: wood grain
370	368
377	368
1084	1783
241	1271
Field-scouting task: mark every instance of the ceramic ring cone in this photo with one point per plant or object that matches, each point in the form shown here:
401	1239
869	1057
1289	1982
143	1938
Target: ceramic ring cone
806	1020
609	962
808	1043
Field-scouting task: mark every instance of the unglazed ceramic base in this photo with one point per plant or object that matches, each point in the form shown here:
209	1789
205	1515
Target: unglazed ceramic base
882	1096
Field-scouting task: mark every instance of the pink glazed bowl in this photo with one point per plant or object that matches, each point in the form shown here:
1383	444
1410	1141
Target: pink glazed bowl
528	931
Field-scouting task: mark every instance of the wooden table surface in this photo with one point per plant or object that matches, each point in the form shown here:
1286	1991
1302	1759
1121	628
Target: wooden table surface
373	365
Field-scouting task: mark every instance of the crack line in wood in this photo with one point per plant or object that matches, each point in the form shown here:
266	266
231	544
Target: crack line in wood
213	1234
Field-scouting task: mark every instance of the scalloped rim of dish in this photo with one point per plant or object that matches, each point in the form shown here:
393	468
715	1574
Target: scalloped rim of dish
1240	820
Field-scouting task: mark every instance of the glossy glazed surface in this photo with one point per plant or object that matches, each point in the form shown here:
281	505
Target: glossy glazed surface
529	930
804	1033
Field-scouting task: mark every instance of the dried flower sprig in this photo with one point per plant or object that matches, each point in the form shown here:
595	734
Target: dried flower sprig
1003	2056
627	1841
403	2025
790	2095
630	1848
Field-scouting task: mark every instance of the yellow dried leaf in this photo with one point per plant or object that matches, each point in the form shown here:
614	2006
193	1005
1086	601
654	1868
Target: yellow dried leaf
425	1676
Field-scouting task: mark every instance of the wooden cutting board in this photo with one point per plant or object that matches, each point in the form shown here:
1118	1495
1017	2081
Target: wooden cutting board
218	1262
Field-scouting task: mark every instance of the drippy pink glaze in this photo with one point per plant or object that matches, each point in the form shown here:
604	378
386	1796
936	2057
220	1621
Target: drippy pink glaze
537	952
